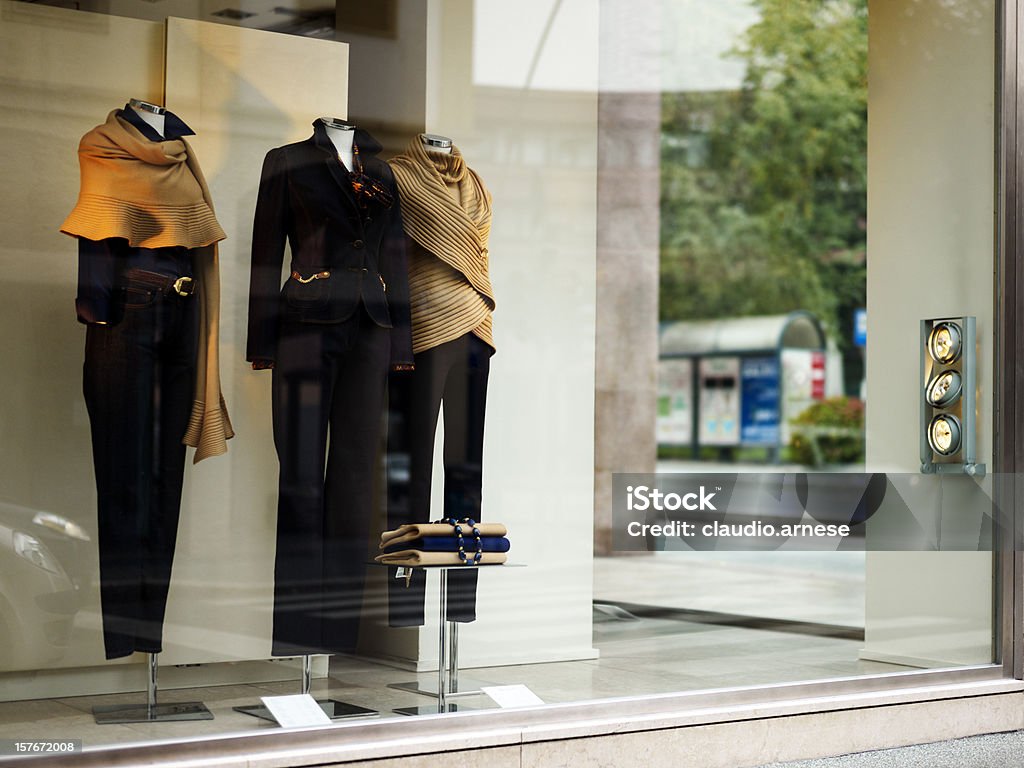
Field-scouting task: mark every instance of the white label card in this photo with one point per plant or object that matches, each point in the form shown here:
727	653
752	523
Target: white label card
296	710
506	696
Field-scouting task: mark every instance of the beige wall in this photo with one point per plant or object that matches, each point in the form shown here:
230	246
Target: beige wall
930	254
235	89
58	83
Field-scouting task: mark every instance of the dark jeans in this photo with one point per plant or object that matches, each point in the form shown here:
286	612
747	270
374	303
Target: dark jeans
329	381
454	373
139	380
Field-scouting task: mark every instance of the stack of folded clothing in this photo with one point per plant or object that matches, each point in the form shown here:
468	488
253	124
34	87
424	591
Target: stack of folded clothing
462	542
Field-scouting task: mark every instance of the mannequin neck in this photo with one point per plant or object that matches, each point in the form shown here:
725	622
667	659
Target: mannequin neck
433	142
151	113
342	139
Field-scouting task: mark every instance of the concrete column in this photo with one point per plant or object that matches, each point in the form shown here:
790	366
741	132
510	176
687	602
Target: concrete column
629	130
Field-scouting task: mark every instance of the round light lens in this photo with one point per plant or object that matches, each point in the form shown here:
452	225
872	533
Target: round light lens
944	434
944	343
944	389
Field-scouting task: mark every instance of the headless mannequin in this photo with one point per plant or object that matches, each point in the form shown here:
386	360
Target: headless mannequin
154	116
151	113
341	137
450	378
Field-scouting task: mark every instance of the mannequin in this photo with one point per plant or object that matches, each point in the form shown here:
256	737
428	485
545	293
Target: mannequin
148	293
446	212
330	336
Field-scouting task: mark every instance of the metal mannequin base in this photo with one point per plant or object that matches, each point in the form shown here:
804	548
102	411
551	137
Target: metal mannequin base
336	710
433	709
151	712
156	713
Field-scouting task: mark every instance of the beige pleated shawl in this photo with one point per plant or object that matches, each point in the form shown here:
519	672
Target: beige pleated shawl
446	210
153	194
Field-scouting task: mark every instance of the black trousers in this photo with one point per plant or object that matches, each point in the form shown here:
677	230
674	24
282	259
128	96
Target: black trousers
328	399
455	374
139	379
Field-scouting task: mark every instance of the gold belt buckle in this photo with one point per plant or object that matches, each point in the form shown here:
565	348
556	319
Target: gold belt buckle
184	286
318	276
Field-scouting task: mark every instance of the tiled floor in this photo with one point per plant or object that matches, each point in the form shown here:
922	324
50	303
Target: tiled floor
660	654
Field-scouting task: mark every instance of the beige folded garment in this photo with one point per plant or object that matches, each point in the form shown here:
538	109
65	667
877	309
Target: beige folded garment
418	557
412	531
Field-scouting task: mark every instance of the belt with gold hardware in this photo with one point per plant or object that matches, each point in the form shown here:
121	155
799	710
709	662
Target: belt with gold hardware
183	286
297	276
318	276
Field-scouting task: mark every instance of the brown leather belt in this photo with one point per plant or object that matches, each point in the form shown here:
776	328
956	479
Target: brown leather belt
183	286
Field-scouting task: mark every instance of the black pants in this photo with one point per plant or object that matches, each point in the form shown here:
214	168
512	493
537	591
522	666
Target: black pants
139	379
329	381
454	373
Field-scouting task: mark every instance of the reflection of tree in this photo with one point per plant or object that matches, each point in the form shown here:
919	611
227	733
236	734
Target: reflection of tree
764	190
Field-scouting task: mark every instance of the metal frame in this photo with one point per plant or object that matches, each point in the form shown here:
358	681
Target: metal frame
1008	368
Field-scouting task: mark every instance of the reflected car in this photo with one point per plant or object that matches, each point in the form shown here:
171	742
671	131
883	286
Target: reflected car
44	577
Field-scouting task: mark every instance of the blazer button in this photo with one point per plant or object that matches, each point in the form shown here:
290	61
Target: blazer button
357	243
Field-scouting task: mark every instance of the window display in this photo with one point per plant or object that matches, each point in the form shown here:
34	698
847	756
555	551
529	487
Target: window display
333	285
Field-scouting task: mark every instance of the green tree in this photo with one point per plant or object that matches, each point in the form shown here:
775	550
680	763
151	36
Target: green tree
769	215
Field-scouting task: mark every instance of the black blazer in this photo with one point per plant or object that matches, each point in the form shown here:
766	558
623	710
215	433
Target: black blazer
343	255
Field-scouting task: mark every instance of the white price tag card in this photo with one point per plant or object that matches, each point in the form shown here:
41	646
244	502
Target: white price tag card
297	710
506	696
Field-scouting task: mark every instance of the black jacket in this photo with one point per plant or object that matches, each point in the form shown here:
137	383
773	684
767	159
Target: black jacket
342	253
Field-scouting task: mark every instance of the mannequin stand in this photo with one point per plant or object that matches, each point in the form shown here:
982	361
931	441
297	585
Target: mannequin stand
334	709
151	712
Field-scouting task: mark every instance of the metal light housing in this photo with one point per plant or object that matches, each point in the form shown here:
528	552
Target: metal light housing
949	393
944	434
945	343
944	389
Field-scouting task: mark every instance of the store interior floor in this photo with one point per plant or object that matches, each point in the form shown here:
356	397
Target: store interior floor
662	623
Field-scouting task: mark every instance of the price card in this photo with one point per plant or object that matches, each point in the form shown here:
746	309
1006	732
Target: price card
295	711
507	696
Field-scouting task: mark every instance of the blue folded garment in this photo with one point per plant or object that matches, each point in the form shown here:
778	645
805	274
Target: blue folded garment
451	544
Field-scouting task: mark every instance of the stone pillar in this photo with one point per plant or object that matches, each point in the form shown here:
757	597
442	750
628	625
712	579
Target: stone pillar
629	131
